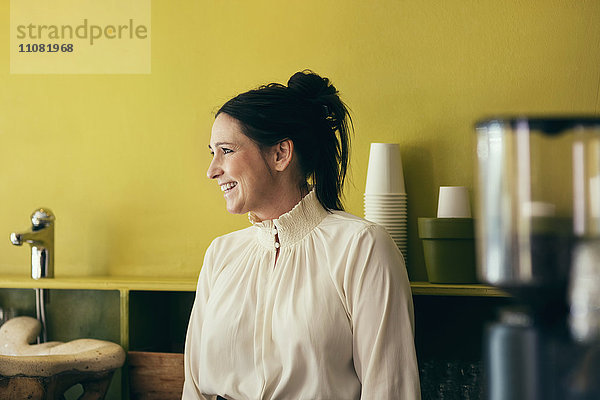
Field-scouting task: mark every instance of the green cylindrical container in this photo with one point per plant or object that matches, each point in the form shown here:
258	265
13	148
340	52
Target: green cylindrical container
449	249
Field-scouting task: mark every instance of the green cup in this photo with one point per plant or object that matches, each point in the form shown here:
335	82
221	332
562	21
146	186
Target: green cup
449	249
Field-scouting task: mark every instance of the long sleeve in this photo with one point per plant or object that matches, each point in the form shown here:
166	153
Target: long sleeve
191	389
380	303
332	318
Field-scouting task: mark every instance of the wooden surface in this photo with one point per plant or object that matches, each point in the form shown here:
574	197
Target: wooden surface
124	283
110	282
465	289
155	376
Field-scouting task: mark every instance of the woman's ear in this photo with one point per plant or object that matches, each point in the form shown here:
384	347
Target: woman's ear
282	154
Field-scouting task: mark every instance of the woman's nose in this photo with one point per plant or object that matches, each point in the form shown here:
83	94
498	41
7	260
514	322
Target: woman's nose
214	170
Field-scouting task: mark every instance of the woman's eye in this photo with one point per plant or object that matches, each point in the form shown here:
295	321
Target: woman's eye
227	151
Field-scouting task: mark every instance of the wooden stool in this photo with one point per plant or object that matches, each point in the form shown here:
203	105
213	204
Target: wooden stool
46	371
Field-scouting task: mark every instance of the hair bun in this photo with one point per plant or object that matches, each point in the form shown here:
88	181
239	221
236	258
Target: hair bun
311	86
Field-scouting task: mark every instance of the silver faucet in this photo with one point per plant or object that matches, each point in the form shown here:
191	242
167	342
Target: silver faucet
41	239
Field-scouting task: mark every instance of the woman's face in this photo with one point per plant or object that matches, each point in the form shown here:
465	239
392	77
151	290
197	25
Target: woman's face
239	168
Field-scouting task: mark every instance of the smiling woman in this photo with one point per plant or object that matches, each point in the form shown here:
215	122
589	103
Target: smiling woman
309	120
244	171
309	302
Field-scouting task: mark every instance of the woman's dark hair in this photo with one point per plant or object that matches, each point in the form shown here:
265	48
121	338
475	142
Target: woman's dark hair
309	112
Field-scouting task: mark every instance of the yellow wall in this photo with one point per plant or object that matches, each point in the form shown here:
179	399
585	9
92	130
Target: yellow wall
121	159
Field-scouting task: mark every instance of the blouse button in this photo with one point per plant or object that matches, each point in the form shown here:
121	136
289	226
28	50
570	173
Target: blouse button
274	231
276	245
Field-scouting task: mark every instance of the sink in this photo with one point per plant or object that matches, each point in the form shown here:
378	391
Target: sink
47	370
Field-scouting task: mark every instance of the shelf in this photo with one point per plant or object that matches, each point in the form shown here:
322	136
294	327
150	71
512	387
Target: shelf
439	289
131	283
126	286
100	283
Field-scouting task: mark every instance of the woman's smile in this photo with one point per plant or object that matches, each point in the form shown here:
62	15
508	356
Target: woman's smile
228	187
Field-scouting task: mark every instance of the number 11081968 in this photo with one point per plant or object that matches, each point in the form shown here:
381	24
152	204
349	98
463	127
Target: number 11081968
46	48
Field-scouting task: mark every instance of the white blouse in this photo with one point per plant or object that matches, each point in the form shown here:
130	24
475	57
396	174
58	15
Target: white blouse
332	318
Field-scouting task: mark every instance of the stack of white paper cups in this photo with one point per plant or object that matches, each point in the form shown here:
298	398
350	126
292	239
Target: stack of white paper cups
385	194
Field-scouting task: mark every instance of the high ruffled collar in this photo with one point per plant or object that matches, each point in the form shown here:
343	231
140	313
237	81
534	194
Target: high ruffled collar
292	226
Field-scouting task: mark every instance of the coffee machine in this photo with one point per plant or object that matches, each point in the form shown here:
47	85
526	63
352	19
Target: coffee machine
538	239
